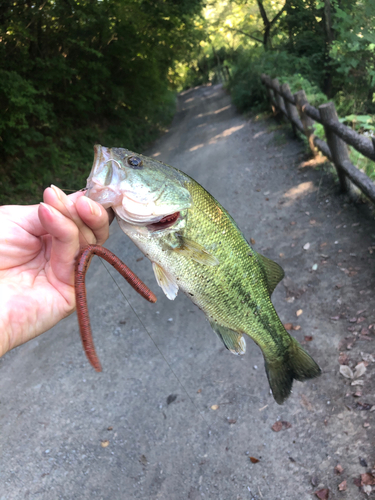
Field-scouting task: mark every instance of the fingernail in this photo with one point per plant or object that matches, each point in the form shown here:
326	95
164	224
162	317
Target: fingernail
94	207
56	191
47	207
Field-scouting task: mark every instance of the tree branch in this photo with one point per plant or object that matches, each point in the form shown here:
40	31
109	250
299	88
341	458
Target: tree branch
246	34
276	18
263	13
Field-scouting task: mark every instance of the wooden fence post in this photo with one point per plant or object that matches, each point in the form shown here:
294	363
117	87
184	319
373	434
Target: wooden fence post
290	108
279	98
265	79
307	122
339	149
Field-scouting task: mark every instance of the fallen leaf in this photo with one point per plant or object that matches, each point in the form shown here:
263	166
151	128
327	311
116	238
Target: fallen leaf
252	241
360	312
359	370
297	327
254	460
357	481
171	398
352	328
315	480
299	312
322	494
306	403
308	338
346	371
335	318
232	420
357	394
367	357
288	326
312	222
110	428
104	444
342	486
367	489
358	382
281	424
361	319
143	460
363	406
367	478
199	391
339	469
306	246
353	320
214	407
343	358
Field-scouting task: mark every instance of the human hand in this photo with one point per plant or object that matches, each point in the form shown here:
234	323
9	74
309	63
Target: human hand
38	248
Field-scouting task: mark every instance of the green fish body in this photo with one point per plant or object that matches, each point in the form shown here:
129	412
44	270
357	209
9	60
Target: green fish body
195	245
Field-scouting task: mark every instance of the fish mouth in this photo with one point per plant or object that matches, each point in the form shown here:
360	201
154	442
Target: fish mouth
135	199
164	223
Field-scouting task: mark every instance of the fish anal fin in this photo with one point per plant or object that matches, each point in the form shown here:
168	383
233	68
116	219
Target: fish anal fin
232	340
273	272
196	252
166	281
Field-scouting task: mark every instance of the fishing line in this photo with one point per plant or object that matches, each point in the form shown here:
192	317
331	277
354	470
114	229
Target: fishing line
155	344
144	326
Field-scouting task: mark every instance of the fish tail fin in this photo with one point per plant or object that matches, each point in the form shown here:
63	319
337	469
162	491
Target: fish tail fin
295	364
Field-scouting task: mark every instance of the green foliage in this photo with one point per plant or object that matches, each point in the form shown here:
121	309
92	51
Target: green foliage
325	47
77	72
247	89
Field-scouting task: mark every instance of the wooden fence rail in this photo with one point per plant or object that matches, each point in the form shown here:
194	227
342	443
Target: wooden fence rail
302	117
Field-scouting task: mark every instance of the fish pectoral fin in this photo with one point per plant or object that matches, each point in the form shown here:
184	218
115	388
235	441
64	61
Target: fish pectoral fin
196	252
166	281
232	340
273	272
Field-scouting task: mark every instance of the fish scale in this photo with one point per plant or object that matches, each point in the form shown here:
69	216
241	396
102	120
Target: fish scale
196	246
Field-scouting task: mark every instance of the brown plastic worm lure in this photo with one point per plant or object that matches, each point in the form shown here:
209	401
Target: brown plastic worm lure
82	264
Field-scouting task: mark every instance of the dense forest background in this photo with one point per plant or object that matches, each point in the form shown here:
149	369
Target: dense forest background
78	72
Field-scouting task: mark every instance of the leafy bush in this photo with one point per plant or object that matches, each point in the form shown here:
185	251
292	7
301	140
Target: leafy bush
246	86
79	72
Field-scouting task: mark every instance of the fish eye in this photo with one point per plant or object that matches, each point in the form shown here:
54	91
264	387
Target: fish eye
135	162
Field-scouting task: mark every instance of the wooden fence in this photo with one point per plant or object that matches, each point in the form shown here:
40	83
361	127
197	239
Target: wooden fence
302	116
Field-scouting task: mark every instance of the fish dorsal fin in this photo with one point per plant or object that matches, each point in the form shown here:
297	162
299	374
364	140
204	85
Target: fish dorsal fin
165	281
273	272
195	251
232	340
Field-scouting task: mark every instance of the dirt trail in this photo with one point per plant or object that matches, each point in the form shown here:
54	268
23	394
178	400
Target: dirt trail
145	427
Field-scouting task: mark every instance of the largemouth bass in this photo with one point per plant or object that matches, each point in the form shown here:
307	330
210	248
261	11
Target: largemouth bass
195	246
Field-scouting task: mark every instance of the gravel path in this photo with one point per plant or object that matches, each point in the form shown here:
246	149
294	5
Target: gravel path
147	427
